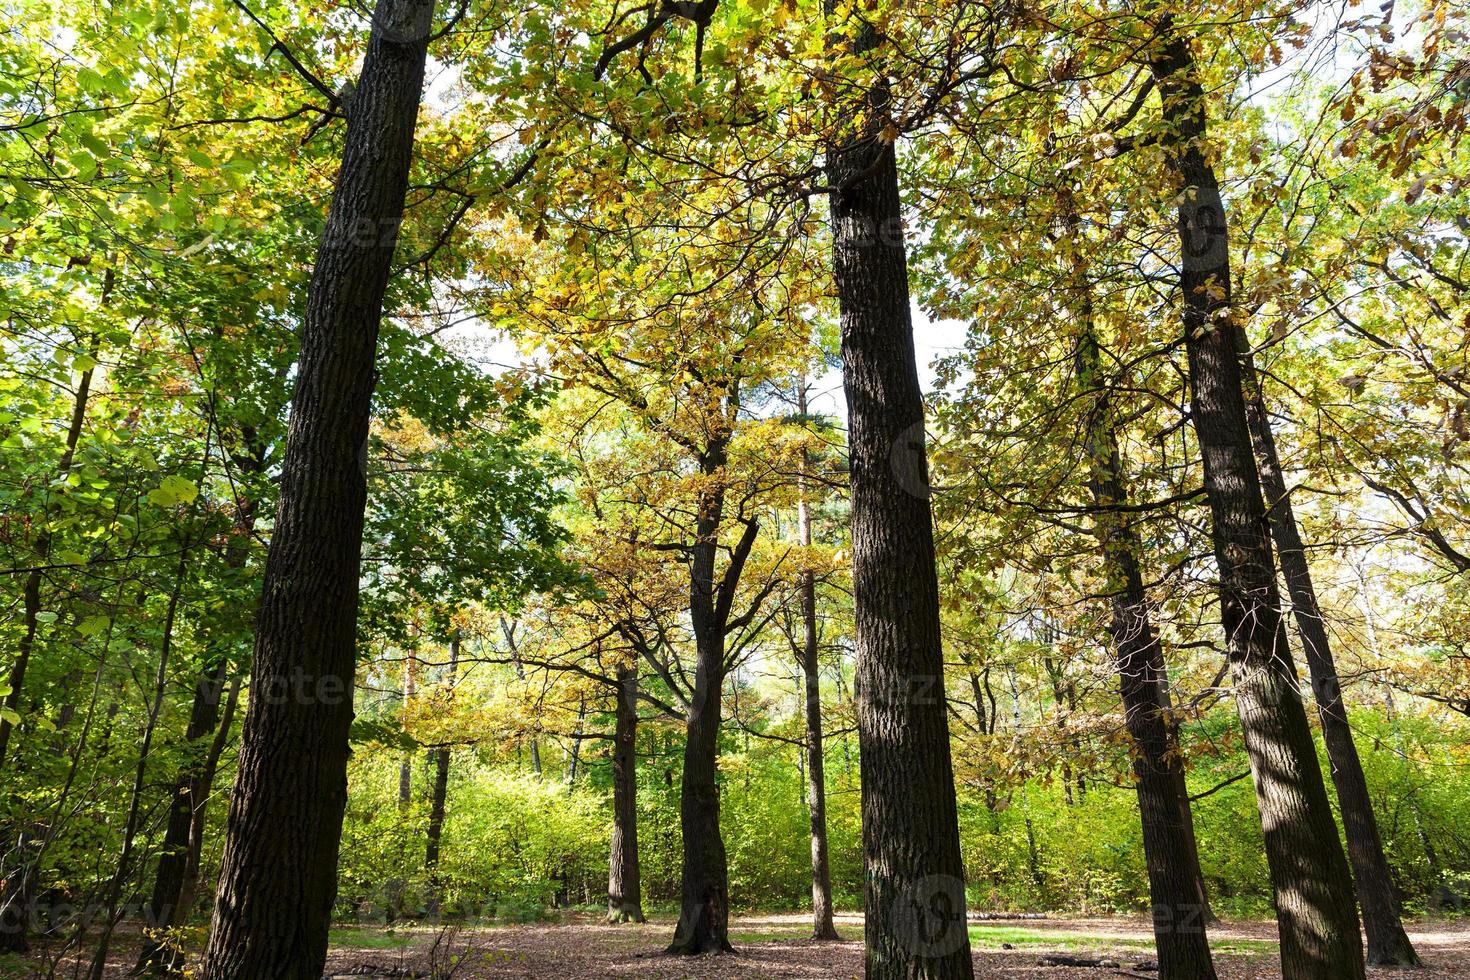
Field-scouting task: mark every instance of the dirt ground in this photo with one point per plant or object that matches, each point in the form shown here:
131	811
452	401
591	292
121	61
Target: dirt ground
776	946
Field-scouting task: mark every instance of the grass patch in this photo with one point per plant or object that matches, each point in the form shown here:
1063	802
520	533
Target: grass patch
736	938
991	937
353	938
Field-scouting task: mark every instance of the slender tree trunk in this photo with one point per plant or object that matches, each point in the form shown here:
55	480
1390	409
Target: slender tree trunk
189	791
816	774
1388	944
113	892
16	908
176	877
1033	854
1187	808
395	887
576	745
439	794
510	638
189	890
405	767
1309	874
822	924
279	875
1158	769
31	590
624	888
915	887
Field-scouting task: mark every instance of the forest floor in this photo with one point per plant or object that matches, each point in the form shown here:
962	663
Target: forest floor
775	946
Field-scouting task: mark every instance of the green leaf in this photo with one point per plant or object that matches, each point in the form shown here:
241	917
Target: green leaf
173	490
92	625
10	716
46	617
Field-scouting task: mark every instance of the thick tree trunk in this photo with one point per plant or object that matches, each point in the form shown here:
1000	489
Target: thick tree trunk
278	880
704	910
624	889
1388	944
1158	769
1309	874
915	888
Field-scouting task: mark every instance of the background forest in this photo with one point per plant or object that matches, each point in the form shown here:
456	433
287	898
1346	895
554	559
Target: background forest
608	465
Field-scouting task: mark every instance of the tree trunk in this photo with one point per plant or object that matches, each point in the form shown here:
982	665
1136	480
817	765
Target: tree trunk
822	924
1158	769
1388	944
704	910
31	591
439	794
112	894
189	890
189	791
576	745
915	882
624	890
395	887
1186	807
510	638
278	879
1309	874
176	878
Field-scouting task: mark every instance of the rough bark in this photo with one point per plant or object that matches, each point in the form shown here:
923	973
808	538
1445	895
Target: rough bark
1388	944
1315	911
1158	769
278	879
915	882
704	908
624	888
